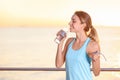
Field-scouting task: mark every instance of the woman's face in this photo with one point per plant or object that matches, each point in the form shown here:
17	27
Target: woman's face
75	24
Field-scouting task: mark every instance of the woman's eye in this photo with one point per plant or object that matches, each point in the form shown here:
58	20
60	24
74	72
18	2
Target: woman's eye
74	21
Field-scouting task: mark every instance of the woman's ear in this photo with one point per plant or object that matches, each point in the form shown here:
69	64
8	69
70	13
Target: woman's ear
84	25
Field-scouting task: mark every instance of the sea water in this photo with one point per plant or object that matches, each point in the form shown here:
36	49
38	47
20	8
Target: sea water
35	47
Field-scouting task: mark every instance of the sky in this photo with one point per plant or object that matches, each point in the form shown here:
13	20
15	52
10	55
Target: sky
25	13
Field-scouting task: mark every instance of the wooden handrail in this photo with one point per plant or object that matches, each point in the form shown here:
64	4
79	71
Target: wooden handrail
46	69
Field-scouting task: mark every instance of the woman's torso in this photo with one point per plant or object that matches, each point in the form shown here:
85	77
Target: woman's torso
78	63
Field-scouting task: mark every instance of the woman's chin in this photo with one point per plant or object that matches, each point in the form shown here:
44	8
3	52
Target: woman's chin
70	30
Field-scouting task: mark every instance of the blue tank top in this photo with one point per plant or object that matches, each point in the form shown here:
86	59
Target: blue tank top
78	63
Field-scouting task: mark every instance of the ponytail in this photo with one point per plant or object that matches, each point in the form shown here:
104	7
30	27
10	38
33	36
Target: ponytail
93	34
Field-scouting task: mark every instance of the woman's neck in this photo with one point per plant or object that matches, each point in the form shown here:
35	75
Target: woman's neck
81	37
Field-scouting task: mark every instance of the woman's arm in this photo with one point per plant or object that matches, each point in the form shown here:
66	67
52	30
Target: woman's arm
96	63
94	53
61	52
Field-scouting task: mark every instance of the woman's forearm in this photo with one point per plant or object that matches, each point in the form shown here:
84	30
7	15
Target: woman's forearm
59	56
96	67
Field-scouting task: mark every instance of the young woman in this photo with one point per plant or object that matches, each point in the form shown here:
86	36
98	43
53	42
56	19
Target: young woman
79	52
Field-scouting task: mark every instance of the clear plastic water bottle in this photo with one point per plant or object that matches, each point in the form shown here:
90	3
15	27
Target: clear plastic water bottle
62	34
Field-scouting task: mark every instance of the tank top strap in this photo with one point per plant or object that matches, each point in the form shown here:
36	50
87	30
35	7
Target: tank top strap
71	43
86	42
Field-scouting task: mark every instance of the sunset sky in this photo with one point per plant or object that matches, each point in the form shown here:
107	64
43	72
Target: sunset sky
57	12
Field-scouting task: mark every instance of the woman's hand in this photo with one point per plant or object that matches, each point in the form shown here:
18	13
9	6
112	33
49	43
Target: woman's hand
61	35
95	56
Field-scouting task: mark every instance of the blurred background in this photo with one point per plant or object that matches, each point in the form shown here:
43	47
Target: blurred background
28	29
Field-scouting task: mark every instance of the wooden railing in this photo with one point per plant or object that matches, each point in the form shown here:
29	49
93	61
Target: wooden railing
46	69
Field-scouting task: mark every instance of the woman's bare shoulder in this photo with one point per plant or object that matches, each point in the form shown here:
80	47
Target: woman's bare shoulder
69	40
93	43
93	46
